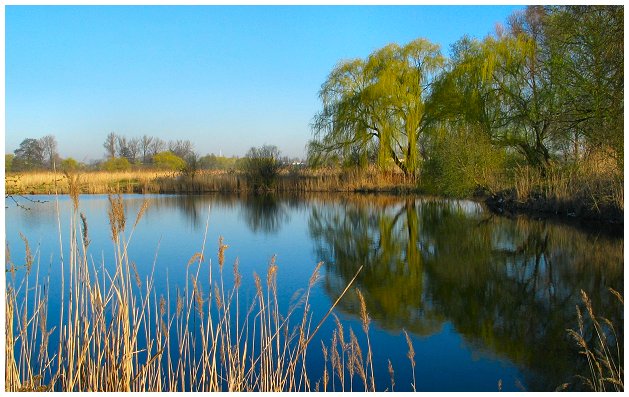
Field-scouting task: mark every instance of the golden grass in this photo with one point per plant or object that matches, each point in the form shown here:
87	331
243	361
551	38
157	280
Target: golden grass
584	189
600	344
147	181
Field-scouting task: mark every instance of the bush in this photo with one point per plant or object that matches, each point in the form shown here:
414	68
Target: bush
169	161
116	164
8	162
69	164
261	166
461	162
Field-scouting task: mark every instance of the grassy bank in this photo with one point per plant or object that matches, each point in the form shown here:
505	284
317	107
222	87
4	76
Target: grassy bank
582	192
592	190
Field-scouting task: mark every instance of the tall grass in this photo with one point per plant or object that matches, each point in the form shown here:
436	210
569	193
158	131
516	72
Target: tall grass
204	181
116	332
602	347
585	190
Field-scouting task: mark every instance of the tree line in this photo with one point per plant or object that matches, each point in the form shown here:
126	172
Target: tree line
546	88
123	153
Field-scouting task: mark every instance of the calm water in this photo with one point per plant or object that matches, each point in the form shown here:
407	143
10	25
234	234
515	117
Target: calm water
484	298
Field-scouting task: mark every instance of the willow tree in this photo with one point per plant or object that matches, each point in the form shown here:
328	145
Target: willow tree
502	86
378	101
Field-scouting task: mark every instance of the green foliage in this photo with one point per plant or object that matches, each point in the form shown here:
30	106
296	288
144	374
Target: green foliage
69	164
261	166
169	161
116	164
463	161
8	162
378	101
587	47
29	156
549	86
214	162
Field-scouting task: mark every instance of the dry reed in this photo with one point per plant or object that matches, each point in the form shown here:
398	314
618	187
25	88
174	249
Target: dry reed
599	342
204	181
115	334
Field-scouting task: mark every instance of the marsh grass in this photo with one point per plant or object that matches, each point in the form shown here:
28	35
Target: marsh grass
588	189
205	181
601	345
116	332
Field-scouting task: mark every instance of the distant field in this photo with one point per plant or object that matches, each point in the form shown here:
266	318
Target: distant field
155	181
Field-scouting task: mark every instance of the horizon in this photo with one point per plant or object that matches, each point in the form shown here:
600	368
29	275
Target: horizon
224	77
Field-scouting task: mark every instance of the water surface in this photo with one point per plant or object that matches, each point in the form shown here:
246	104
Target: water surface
484	298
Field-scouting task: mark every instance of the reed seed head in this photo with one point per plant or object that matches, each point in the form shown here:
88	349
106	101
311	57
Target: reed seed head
315	274
86	240
391	375
143	208
28	255
258	283
364	315
271	272
237	276
162	305
117	218
221	252
411	350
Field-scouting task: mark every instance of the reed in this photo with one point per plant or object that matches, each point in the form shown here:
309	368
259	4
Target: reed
602	347
116	332
586	189
205	181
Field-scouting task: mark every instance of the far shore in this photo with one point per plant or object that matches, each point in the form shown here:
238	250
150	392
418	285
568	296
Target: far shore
325	180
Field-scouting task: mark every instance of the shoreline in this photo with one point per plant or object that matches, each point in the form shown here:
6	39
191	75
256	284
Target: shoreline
610	220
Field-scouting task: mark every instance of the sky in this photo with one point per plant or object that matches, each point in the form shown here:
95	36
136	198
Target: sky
225	77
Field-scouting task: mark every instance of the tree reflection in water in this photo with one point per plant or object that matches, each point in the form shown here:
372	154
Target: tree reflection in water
264	213
509	287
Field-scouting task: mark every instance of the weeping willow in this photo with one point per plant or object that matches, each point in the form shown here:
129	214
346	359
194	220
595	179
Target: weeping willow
375	107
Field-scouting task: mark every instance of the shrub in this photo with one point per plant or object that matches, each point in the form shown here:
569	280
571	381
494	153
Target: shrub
69	164
461	162
262	166
8	162
116	164
169	161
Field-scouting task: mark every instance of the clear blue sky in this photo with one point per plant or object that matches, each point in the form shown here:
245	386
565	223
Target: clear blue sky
225	77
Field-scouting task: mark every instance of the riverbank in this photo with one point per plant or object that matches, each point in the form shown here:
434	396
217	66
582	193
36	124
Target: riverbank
565	196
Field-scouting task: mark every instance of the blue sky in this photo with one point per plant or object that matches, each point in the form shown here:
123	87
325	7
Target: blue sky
225	77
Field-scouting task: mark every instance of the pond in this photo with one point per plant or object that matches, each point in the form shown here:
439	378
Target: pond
484	299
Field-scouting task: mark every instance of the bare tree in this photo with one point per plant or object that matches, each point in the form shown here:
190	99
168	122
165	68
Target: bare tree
145	147
181	148
157	146
123	147
110	145
134	149
48	145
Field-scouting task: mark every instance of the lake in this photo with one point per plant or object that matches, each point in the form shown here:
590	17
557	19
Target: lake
483	298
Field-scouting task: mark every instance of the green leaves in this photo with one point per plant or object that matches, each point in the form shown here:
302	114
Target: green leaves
377	101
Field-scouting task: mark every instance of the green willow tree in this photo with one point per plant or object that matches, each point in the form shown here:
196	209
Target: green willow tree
501	85
548	85
376	106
